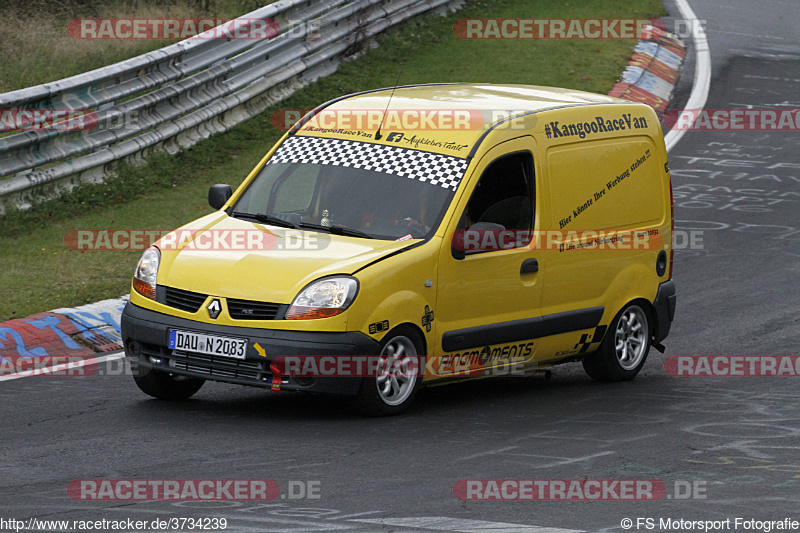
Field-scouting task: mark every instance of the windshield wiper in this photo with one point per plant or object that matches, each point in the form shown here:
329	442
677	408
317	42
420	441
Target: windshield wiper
266	219
338	230
277	221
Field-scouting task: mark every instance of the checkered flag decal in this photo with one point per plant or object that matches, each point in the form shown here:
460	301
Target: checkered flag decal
437	169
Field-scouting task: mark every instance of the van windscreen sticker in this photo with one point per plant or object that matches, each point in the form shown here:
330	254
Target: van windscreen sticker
436	169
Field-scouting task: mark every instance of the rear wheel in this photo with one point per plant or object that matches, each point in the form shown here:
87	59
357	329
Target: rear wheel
624	349
166	386
397	377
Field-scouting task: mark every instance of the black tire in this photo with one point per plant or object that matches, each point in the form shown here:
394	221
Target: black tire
384	394
165	386
625	347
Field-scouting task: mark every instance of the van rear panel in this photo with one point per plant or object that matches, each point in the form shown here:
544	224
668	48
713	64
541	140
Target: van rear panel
605	184
605	212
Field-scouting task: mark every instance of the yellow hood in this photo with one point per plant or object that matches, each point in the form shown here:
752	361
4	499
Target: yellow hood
224	256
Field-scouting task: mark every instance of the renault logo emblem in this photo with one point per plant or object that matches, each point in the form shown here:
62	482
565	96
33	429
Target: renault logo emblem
214	309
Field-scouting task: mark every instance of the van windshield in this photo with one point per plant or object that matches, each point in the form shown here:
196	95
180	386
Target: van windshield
353	188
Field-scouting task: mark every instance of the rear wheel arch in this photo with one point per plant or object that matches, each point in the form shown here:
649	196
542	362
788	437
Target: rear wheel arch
613	361
647	305
648	309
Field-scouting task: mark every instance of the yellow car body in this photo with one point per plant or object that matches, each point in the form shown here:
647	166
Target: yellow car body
584	177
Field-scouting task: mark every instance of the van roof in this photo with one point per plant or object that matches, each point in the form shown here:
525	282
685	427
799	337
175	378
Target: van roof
447	118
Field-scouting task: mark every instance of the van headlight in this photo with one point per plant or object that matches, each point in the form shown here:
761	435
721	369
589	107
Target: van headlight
144	277
323	298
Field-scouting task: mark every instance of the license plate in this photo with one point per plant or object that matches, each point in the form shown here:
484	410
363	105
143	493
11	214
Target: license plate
188	341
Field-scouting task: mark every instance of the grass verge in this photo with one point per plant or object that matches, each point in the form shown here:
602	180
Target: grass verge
38	272
37	48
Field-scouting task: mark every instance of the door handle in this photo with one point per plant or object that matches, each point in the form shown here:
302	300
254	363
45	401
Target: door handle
529	266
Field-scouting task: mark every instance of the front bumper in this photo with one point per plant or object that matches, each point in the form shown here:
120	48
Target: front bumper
145	338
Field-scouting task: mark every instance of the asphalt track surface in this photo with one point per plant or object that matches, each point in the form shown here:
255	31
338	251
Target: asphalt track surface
735	440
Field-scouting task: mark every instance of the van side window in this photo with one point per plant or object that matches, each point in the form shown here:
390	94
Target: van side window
504	197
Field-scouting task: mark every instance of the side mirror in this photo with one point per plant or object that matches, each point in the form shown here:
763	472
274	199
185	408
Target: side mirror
219	194
472	240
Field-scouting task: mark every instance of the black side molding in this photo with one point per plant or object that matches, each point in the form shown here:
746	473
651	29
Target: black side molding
526	328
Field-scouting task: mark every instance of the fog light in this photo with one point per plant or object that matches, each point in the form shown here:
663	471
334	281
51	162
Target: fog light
132	347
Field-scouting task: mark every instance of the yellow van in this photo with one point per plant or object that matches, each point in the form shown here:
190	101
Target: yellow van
419	235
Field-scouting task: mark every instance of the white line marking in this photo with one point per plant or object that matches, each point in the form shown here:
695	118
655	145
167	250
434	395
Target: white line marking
64	366
349	516
462	525
563	461
490	452
756	35
605	442
702	74
293	467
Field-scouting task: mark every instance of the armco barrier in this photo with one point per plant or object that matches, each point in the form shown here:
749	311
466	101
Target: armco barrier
174	97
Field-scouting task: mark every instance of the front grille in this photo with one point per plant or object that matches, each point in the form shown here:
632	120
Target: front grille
208	366
183	300
219	367
251	310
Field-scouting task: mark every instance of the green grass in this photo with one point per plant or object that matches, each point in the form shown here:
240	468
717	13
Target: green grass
38	272
38	49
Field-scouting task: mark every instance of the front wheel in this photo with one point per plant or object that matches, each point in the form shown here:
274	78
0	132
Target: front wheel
624	349
397	377
166	386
